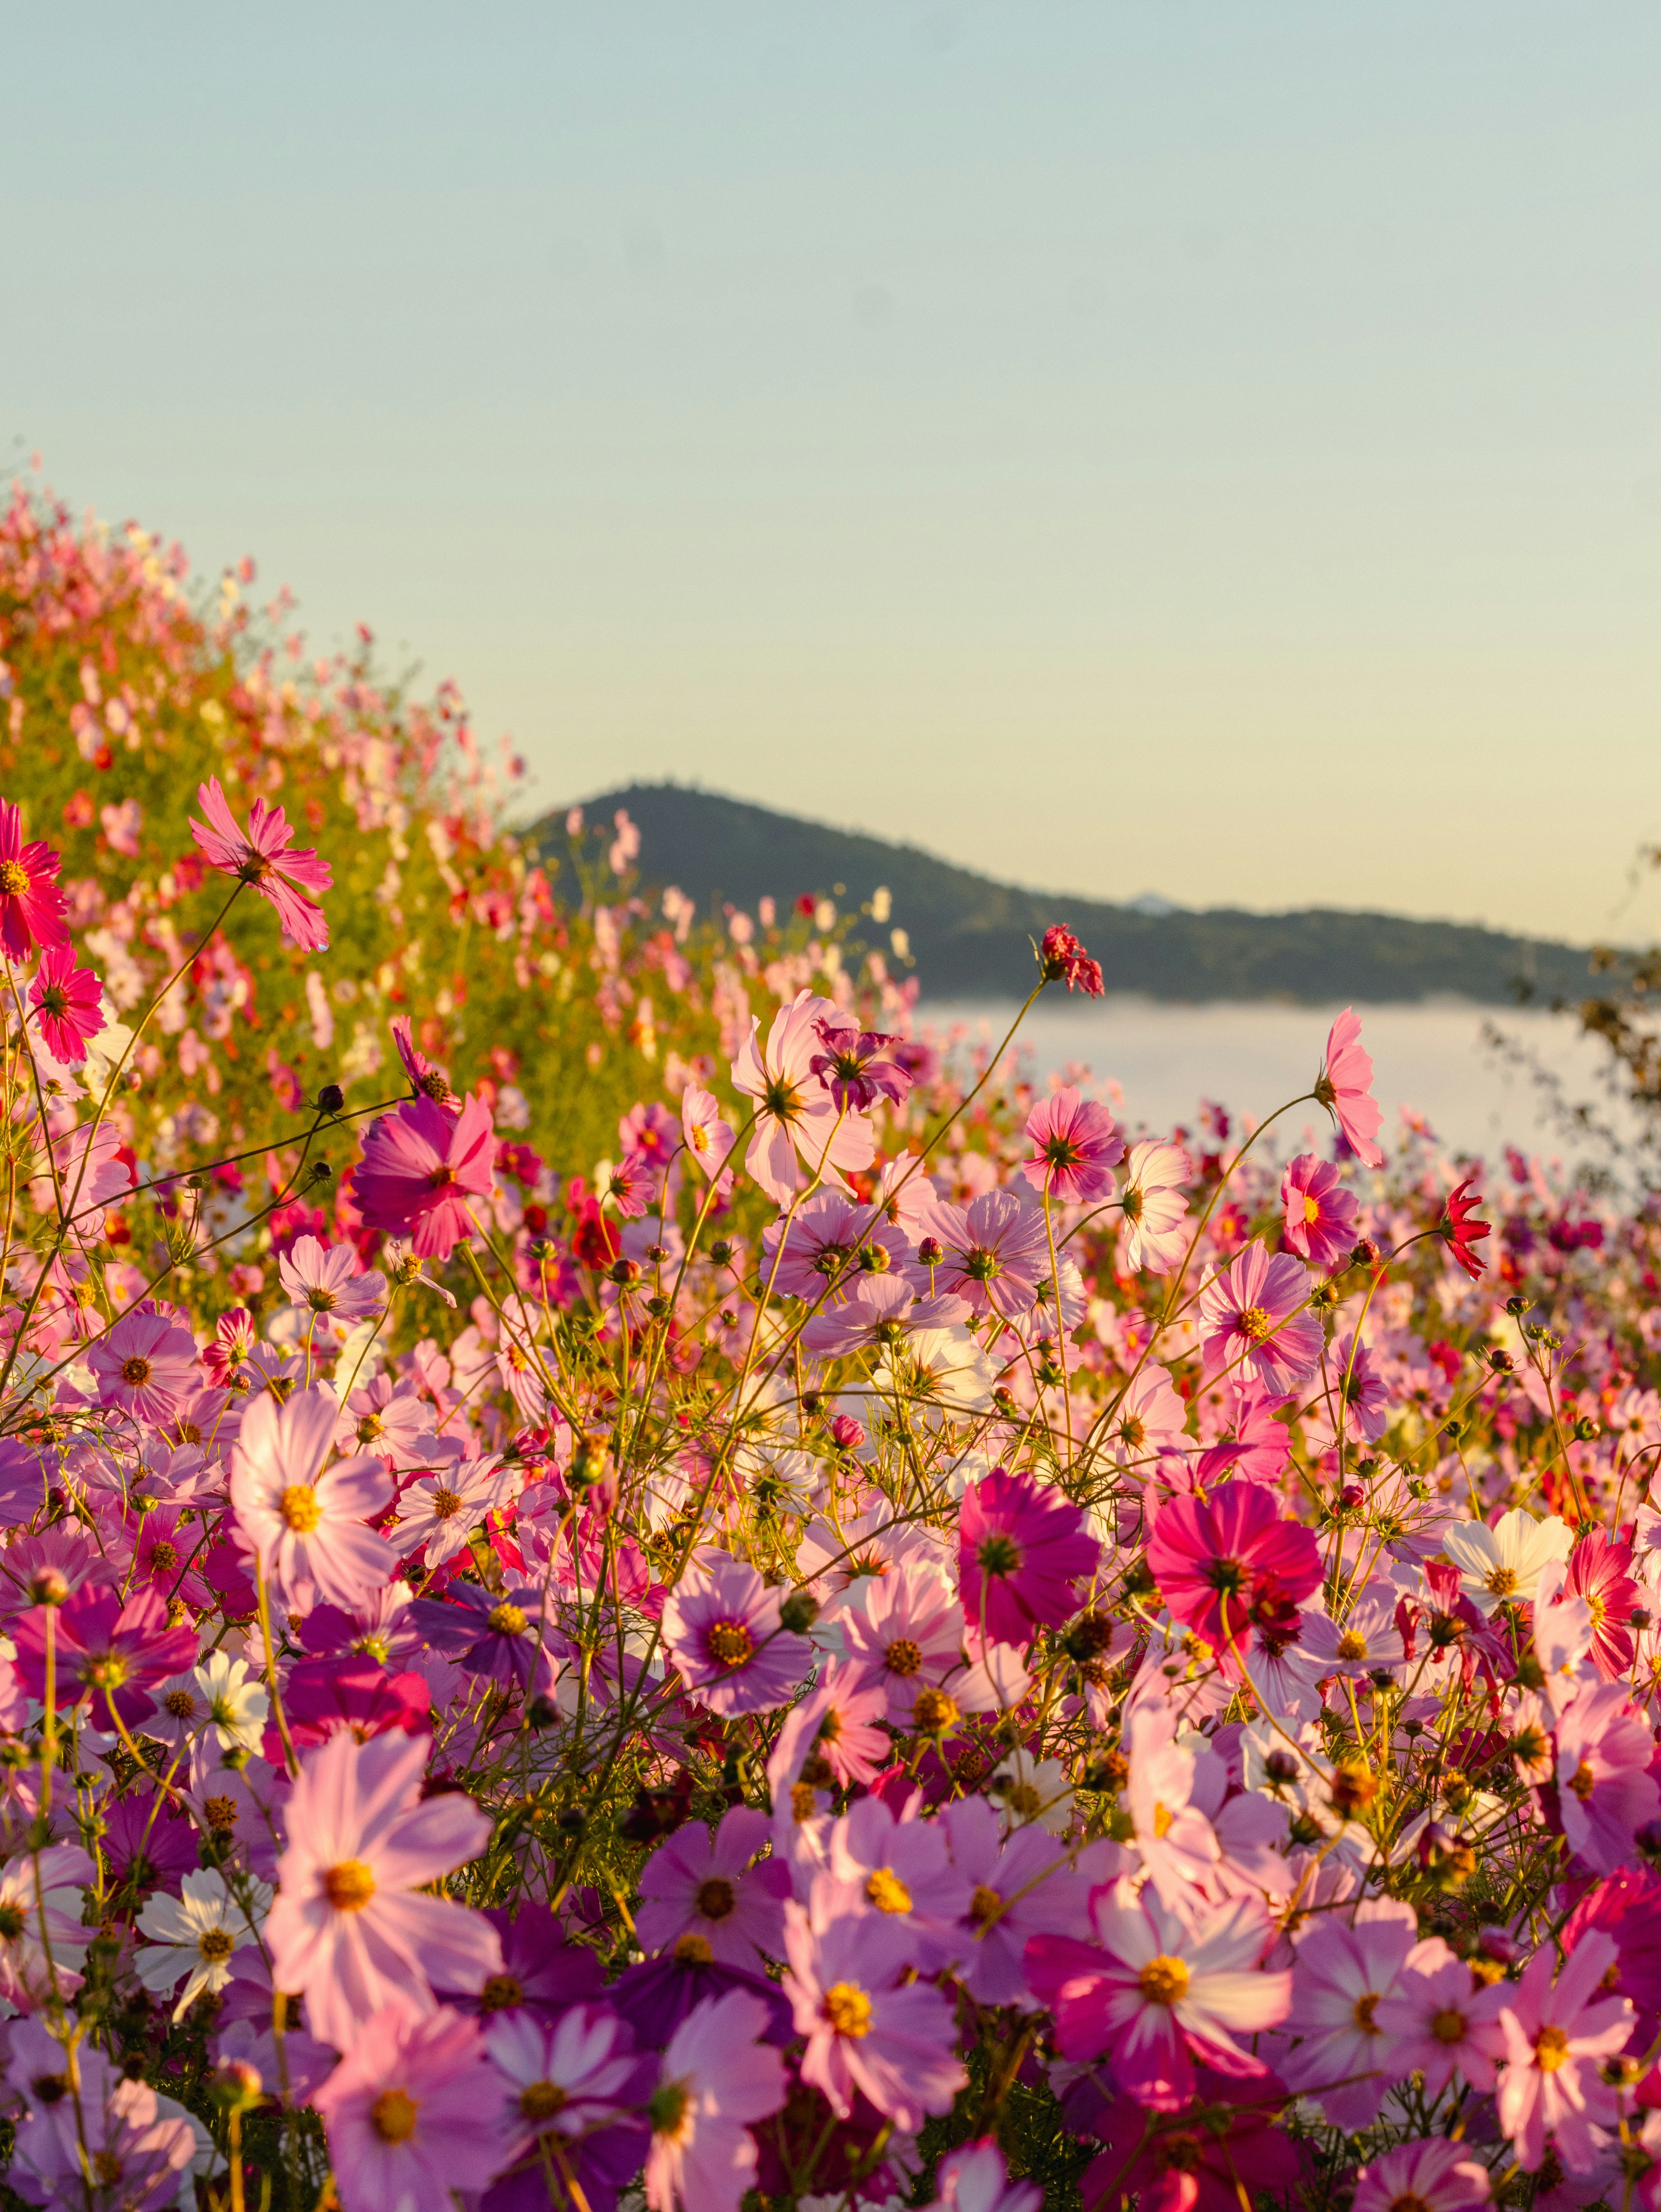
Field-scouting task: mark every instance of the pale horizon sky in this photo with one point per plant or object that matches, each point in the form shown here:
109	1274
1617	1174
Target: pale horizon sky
1184	447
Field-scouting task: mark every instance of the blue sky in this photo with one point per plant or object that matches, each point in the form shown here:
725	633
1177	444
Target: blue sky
1195	446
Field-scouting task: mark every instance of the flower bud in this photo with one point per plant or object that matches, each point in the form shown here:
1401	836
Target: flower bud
236	2085
722	1252
847	1433
330	1098
798	1611
1366	1254
931	1252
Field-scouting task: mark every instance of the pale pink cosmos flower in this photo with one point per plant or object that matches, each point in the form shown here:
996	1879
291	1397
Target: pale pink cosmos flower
716	2078
900	1868
1149	1418
795	1112
866	2032
1345	1088
306	1521
1354	1397
1018	1888
263	856
1367	1639
1159	1989
1320	1213
1177	1843
975	2180
829	1243
1441	2022
440	1511
146	1365
408	2111
1433	2176
1252	1324
708	1135
909	1635
996	1252
1152	1206
720	1629
420	1168
1605	1791
705	1886
1558	2036
351	1925
1075	1144
567	2084
330	1279
47	1887
1346	1968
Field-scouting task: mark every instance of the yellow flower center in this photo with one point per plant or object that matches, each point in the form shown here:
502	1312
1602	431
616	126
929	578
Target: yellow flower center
1164	1980
500	1992
1162	1817
985	1905
1311	1208
445	1505
693	1950
1254	1324
300	1509
1583	1782
887	1891
933	1712
1363	2009
542	2100
181	1704
349	1886
164	1558
1551	2049
215	1944
903	1656
729	1643
1501	1583
14	878
848	2009
506	1620
1351	1646
393	2116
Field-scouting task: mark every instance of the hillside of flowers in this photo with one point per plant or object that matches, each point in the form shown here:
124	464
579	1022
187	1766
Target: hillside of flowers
730	1614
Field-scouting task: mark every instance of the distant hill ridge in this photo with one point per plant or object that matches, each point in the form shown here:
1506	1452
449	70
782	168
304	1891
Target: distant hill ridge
968	934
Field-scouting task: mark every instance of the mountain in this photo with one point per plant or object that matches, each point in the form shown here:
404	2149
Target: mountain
968	935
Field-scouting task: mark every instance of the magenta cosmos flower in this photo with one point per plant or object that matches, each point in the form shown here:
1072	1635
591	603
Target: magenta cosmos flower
304	1521
31	907
1151	1205
716	2079
1063	959
705	1887
351	1925
409	2112
856	1066
867	2034
720	1627
1158	1989
263	856
794	1111
67	1005
1558	2036
1600	1570
1075	1142
1023	1547
1344	1087
110	1653
1250	1323
420	1167
330	1279
1433	2176
1320	1213
1230	1565
146	1365
427	1079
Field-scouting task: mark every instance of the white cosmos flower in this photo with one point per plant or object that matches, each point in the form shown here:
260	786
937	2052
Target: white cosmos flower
196	1934
1501	1565
1033	1790
236	1706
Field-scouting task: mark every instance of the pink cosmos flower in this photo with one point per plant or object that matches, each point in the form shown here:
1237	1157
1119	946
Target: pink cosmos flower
1345	1972
33	910
1019	1889
1062	958
67	1003
1605	1791
909	1636
330	1279
830	1242
1557	2039
720	1627
1433	2176
140	2145
975	2180
1353	1384
1152	1208
996	1252
264	857
709	1137
305	1521
832	1729
1074	1143
427	1079
1230	1565
146	1365
1149	1418
1250	1322
1440	2022
505	1637
1600	1570
796	1113
868	2035
702	1885
901	1869
1023	1547
716	2078
856	1066
1158	1989
877	1312
566	2085
323	1697
408	2111
351	1925
46	1887
1345	1088
419	1169
110	1653
1320	1213
441	1511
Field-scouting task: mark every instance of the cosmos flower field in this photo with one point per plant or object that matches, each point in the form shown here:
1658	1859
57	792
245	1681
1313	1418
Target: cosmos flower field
625	1583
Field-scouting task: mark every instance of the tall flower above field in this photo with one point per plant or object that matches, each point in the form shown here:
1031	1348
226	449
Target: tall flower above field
1345	1088
263	855
421	1168
801	1134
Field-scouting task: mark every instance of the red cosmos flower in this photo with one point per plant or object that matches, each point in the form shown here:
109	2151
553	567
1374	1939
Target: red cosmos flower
1461	1229
66	1002
420	1167
1230	1567
1063	958
1600	1570
263	855
1022	1546
31	907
